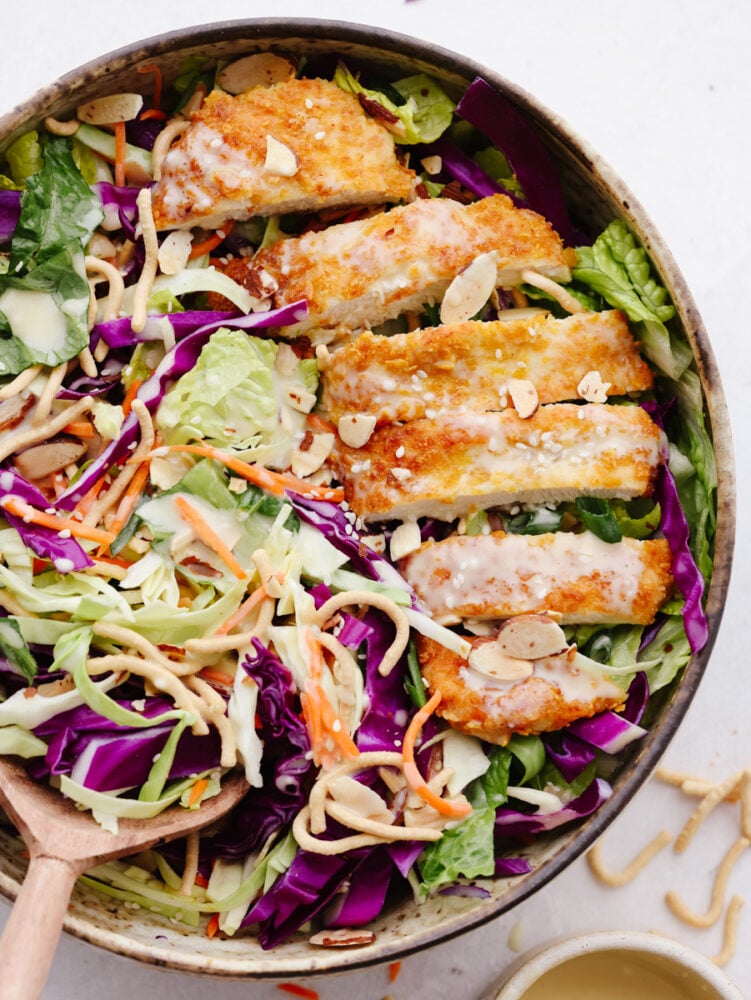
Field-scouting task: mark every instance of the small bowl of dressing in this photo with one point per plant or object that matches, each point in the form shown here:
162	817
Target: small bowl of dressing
615	965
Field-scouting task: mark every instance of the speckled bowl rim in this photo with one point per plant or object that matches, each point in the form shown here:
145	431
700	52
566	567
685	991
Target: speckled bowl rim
608	185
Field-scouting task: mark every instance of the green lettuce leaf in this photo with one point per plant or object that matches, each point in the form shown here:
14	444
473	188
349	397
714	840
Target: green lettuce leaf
24	158
464	851
619	270
45	285
228	397
425	115
14	648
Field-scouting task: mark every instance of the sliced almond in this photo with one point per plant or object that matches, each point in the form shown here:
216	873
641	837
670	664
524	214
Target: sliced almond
305	463
432	165
355	428
263	69
405	539
523	396
470	289
110	109
490	659
280	159
174	251
13	410
44	459
286	360
593	389
342	937
531	637
301	400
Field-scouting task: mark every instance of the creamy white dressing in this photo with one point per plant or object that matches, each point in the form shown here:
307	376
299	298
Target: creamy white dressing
619	975
37	321
519	571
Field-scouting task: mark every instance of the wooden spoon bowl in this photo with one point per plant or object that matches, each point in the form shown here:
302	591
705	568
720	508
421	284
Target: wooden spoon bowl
63	843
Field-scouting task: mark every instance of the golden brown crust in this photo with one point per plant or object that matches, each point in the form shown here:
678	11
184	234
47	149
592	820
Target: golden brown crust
447	466
531	706
359	274
216	169
469	365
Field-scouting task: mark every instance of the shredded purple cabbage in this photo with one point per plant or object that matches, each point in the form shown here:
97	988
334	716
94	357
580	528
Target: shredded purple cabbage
287	769
466	891
65	553
85	385
608	731
107	756
117	333
307	887
365	894
512	823
460	166
10	210
683	566
497	118
569	754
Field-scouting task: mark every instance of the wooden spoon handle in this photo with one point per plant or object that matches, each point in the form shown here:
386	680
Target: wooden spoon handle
31	934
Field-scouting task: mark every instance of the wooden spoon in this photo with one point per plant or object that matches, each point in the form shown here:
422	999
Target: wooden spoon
63	843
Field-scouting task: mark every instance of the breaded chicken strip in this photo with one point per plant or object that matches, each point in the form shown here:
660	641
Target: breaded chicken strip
218	170
456	463
469	365
577	576
553	696
359	274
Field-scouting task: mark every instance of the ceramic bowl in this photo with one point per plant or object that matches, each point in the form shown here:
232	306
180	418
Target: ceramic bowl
646	963
594	193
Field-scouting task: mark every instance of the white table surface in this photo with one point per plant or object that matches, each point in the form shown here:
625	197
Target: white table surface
661	88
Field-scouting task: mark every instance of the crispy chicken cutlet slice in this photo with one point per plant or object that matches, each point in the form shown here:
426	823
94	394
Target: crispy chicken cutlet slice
578	576
554	692
455	463
470	364
227	166
362	273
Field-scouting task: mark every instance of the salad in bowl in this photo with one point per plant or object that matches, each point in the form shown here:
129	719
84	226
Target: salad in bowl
340	447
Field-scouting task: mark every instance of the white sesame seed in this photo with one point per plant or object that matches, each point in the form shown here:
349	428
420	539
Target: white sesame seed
308	103
400	451
320	135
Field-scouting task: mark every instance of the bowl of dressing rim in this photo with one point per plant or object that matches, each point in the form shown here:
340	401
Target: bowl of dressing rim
615	965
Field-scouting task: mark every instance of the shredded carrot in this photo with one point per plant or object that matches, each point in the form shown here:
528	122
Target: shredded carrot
86	502
311	710
322	721
213	925
120	154
209	537
273	482
394	969
197	791
130	498
201	881
115	561
19	508
80	428
211	242
317	423
414	779
130	395
217	676
153	113
298	991
157	95
243	611
338	733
